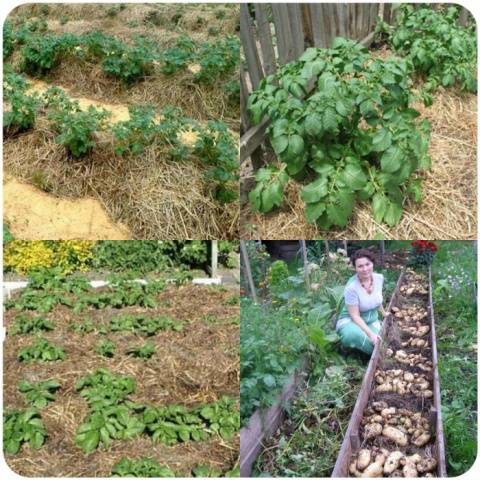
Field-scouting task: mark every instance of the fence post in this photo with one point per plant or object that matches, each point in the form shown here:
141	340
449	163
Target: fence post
265	37
306	272
247	270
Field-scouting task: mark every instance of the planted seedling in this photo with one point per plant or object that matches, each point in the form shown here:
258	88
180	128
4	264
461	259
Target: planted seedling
42	351
105	348
24	324
20	427
140	467
39	394
144	351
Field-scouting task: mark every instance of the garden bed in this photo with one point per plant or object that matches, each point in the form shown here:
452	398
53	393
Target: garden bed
194	364
146	191
384	407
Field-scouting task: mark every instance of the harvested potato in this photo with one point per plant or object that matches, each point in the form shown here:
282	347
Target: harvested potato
427	465
395	435
372	430
392	462
422	439
363	459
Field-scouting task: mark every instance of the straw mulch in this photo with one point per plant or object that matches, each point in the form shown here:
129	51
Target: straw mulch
191	367
448	209
153	196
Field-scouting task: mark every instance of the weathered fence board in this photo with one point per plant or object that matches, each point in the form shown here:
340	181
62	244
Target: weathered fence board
247	36
265	37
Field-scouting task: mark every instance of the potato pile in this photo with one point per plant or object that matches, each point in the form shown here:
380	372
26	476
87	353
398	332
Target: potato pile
415	284
396	442
399	425
410	359
379	462
403	383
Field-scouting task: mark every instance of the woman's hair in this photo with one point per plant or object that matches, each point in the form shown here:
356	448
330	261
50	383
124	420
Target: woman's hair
362	253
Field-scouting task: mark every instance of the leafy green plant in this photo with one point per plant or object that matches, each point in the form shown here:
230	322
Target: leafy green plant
175	423
232	90
76	127
140	467
137	132
439	48
178	57
24	324
39	394
20	427
41	350
22	112
216	148
144	325
103	389
8	39
130	62
353	136
114	422
144	351
205	471
105	348
84	326
42	53
217	59
268	191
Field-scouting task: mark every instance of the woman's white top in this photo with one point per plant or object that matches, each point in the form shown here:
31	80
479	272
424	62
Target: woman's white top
355	294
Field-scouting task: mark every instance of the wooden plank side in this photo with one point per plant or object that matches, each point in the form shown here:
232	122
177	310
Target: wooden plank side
439	435
262	425
247	37
265	38
342	463
283	33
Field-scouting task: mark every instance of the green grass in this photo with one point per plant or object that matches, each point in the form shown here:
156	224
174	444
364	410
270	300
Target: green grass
454	277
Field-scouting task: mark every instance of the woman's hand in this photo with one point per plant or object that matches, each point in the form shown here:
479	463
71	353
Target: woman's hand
374	338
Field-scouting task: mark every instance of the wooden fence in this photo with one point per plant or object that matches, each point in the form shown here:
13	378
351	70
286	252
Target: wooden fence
277	33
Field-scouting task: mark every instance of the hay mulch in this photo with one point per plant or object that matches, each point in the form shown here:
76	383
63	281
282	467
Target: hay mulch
191	367
449	206
154	196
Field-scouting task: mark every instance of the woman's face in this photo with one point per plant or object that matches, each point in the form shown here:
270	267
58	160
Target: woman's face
363	267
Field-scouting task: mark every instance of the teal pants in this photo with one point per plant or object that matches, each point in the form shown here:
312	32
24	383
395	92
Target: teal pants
352	336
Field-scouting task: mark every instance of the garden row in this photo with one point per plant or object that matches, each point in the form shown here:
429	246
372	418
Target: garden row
342	120
113	412
76	130
41	51
399	432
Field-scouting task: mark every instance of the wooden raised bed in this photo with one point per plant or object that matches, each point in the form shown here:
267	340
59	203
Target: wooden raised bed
352	440
264	422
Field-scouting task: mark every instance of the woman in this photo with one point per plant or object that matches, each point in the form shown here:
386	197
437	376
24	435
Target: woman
358	324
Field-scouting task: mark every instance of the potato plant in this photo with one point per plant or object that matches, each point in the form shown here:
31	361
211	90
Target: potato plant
24	324
23	426
140	467
41	351
76	127
444	52
352	137
105	348
144	351
216	149
39	394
